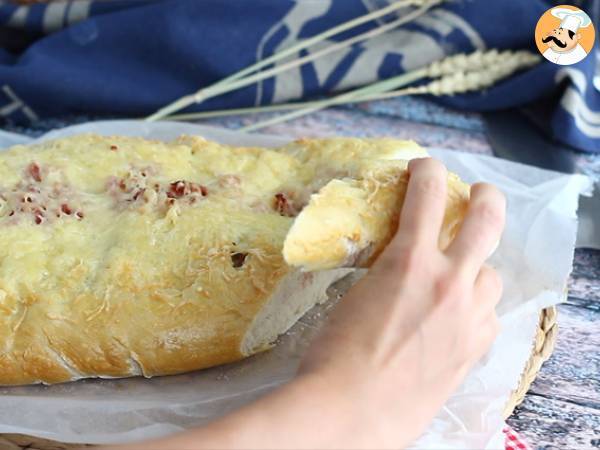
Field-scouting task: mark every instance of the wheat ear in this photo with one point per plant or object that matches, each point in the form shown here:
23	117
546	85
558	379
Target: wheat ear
498	65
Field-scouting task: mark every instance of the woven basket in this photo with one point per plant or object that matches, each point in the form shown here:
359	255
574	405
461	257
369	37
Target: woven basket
542	349
545	339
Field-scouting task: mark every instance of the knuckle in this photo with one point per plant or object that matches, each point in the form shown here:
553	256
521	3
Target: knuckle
451	290
401	259
386	264
431	187
490	215
410	259
490	195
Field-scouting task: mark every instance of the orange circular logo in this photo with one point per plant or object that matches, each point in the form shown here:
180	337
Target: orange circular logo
564	35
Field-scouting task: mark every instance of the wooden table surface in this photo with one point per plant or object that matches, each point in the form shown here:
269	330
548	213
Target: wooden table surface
562	408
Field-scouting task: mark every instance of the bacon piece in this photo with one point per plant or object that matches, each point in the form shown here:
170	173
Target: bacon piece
202	189
38	216
138	193
34	171
284	206
181	188
238	259
140	183
281	203
176	189
35	199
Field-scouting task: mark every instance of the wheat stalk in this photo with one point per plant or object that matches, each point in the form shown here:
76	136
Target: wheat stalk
352	96
241	111
239	79
501	63
498	65
280	106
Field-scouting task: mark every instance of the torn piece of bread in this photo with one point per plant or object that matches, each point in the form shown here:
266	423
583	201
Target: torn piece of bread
123	256
349	221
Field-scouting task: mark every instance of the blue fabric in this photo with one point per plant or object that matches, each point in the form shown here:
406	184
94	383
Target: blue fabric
131	57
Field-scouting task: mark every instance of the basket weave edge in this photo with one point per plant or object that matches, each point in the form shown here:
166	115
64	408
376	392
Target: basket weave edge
544	342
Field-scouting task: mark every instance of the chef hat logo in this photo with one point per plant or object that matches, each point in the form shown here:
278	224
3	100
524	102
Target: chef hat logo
565	35
571	19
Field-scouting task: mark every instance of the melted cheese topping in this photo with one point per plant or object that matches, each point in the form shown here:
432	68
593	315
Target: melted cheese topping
62	256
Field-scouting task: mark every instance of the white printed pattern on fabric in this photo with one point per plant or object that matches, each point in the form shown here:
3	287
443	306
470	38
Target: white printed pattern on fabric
574	104
78	11
56	16
416	49
19	17
575	75
295	19
460	24
15	105
586	120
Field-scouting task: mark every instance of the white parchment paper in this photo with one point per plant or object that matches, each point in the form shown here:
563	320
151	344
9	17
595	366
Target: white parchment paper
534	259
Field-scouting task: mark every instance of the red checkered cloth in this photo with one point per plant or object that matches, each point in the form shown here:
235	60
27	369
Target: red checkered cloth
512	440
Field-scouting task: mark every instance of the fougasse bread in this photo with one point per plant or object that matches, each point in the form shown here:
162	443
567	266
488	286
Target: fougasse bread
122	256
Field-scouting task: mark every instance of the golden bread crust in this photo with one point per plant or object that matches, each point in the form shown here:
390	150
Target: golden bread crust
123	256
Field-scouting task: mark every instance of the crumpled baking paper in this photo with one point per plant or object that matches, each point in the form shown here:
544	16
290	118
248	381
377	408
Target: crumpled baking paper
534	259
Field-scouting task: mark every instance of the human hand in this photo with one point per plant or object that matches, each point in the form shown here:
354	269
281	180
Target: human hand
398	344
406	335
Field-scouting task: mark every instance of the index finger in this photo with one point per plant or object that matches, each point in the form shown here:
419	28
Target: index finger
425	202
